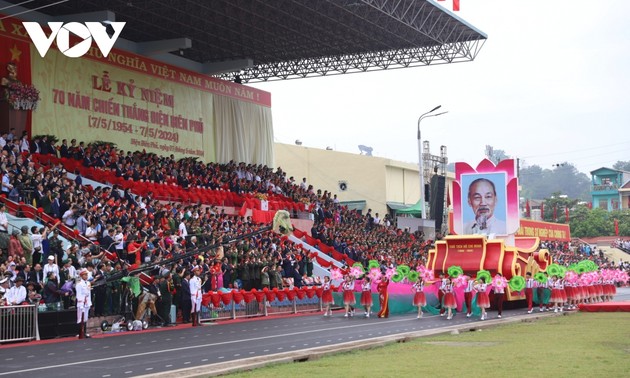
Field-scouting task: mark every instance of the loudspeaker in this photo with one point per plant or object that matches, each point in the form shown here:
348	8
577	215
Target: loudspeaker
427	193
438	184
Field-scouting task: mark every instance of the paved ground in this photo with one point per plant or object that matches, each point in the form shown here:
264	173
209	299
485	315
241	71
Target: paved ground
138	353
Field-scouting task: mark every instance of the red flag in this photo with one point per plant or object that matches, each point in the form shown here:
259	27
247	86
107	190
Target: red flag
448	197
590	205
566	214
527	209
555	213
455	5
616	227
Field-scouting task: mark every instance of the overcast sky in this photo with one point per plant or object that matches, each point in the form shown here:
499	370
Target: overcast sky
550	85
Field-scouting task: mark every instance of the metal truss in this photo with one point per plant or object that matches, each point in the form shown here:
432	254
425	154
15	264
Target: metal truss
288	39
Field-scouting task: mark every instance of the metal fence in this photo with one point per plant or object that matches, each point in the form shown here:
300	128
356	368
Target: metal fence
18	323
239	310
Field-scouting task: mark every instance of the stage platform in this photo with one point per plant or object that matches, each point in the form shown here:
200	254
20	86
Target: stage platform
606	307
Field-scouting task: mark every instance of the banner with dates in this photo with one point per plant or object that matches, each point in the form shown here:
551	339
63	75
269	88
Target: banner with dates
131	100
90	101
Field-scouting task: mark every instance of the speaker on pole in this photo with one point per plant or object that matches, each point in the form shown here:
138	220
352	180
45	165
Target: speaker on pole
438	184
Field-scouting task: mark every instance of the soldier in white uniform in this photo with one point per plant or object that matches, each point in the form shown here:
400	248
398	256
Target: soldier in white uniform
84	302
195	296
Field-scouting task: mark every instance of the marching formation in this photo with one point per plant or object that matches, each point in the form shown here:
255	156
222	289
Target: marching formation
559	289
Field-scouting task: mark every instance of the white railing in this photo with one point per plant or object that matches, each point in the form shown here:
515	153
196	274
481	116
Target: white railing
18	323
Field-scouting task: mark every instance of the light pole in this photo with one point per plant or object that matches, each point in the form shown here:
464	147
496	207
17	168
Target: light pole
425	115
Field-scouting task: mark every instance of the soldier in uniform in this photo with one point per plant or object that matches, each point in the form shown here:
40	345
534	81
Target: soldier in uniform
84	302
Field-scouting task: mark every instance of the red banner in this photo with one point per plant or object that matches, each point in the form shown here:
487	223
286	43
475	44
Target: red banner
544	230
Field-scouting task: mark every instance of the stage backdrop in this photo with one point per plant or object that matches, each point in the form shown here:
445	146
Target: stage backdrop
139	103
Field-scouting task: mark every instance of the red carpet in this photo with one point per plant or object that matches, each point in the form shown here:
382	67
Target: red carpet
606	307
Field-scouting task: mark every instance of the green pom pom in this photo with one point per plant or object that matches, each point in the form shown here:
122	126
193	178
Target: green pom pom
373	264
588	265
397	277
486	275
573	267
554	270
540	277
455	271
403	269
517	283
412	276
580	270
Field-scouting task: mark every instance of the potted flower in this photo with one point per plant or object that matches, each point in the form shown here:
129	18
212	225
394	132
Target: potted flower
21	96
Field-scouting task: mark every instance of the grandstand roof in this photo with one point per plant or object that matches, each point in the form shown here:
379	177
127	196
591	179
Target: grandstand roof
262	40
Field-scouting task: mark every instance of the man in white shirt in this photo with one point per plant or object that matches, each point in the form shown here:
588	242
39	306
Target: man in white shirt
482	198
195	296
4	222
84	302
51	267
17	294
182	229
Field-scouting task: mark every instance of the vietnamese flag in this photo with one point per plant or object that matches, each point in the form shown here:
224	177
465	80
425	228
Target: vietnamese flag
455	5
616	227
555	213
566	214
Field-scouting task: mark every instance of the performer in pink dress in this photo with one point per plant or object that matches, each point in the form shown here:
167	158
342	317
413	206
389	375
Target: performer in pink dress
419	299
327	297
449	299
366	295
483	300
348	295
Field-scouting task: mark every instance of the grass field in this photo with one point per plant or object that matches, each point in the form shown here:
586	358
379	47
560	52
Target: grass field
578	345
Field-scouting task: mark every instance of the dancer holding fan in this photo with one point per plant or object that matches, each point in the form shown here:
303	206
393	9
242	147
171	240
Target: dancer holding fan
419	299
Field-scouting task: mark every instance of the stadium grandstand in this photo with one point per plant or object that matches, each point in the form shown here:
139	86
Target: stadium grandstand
156	158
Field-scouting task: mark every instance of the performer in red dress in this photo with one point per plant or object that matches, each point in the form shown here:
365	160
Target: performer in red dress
557	294
366	295
327	297
449	299
530	284
483	301
383	297
348	295
419	299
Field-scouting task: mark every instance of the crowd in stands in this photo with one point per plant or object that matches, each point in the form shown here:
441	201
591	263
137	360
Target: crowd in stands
117	229
622	244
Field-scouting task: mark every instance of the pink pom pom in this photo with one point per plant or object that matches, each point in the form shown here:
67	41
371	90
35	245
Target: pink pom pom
356	272
375	274
335	274
571	277
390	273
460	281
499	282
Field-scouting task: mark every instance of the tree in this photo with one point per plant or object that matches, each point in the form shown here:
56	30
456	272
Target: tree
557	204
622	165
542	183
598	222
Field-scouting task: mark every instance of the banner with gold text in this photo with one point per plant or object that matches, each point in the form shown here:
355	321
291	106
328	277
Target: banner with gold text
544	230
90	101
131	100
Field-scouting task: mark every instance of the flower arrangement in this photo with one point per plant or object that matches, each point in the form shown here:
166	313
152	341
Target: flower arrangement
261	196
21	96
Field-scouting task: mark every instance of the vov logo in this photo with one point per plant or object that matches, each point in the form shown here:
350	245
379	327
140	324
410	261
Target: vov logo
61	32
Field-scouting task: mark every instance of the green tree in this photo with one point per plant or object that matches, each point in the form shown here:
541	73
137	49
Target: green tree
622	165
585	222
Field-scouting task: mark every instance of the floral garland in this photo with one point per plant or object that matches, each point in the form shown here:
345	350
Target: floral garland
21	96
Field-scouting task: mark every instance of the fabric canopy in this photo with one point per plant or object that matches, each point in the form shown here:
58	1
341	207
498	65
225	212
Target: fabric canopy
411	210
